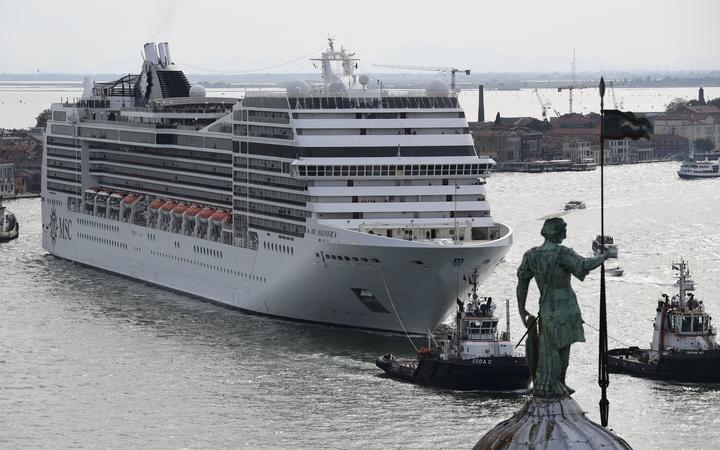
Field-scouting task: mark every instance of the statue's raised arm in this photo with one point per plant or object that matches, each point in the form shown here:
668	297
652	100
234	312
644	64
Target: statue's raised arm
559	323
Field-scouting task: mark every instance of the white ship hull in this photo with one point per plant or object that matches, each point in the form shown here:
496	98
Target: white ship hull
414	283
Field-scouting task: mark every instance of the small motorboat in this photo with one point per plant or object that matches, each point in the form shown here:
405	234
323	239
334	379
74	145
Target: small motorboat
574	204
473	357
615	271
683	347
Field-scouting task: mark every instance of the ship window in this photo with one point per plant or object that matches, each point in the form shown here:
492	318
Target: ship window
686	321
698	323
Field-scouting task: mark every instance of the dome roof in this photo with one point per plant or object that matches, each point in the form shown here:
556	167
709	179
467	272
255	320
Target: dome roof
550	423
197	91
437	88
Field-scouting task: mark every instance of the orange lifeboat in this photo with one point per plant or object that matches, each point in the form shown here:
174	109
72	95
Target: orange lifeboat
130	199
157	204
192	211
219	217
167	207
205	214
180	209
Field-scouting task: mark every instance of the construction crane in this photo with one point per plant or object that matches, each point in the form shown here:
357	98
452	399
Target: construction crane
543	105
570	90
451	70
572	83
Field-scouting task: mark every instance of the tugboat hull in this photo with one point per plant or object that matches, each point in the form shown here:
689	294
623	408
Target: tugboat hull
505	373
694	366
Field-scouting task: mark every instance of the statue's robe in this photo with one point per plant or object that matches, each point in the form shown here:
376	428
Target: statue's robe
560	321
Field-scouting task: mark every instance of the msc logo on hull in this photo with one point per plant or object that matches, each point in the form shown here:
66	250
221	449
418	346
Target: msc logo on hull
59	228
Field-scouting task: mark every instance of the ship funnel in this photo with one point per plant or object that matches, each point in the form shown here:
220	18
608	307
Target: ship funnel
168	59
151	55
163	55
164	49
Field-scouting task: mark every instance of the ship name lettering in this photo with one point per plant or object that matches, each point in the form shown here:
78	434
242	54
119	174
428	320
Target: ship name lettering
64	228
321	233
482	361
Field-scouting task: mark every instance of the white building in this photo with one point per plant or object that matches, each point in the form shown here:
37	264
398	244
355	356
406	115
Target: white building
7	179
692	122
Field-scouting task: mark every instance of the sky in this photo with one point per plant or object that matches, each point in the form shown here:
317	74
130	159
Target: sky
213	36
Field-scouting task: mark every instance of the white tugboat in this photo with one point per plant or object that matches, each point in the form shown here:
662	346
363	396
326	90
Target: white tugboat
683	346
473	357
9	228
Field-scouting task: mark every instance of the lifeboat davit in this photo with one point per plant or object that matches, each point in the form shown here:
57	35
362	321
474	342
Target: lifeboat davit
167	207
219	217
115	199
131	199
192	211
205	214
102	196
156	204
180	209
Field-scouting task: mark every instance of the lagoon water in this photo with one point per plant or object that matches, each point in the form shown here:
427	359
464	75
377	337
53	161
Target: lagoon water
90	359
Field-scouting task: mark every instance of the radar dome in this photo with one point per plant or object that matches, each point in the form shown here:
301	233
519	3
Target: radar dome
197	91
297	88
437	88
364	79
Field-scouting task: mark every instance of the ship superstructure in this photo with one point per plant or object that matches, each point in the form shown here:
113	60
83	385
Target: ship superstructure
367	205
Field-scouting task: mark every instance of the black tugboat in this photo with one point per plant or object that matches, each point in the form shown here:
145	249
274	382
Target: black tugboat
473	357
683	346
9	228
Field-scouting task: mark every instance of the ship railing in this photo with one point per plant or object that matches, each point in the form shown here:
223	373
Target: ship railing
323	99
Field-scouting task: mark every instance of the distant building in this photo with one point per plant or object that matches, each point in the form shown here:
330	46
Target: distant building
642	150
575	121
7	179
620	151
27	181
577	150
691	122
510	138
670	145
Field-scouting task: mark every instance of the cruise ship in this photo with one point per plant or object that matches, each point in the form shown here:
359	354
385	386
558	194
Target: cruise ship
336	202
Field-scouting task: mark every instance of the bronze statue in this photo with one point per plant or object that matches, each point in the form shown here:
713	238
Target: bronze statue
559	323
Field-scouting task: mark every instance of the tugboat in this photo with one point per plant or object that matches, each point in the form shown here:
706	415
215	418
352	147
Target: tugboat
683	346
9	227
612	249
473	357
574	204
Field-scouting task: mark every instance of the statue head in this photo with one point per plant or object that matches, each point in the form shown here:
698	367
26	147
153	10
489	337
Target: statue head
554	230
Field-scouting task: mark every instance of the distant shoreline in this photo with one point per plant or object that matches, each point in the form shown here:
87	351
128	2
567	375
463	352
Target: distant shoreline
410	80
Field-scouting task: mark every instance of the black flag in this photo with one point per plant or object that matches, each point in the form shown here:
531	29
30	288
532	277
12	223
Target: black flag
621	125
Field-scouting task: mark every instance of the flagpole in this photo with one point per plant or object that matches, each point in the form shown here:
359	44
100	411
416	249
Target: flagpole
603	376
